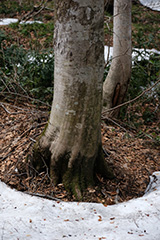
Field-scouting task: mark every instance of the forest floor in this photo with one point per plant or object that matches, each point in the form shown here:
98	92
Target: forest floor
131	146
132	153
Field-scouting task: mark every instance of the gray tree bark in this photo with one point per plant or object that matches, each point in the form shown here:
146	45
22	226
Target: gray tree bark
72	138
117	80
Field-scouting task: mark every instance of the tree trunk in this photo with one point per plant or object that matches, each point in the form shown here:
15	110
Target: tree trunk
117	80
73	135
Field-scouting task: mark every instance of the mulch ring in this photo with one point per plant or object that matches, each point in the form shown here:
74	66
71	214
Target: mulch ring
133	159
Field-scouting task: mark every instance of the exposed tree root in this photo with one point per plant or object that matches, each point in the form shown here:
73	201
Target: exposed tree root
76	174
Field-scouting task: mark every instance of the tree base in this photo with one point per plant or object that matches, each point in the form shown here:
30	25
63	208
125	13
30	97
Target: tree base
40	159
76	177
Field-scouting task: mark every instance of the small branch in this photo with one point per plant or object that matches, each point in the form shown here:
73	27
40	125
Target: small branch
35	11
133	100
28	97
24	109
5	108
111	120
43	196
27	16
118	56
33	140
50	9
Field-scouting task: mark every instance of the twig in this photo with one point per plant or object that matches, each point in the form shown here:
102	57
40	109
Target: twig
5	108
111	120
123	54
5	84
33	140
50	9
105	151
28	97
12	113
35	9
25	109
27	16
132	100
8	154
42	196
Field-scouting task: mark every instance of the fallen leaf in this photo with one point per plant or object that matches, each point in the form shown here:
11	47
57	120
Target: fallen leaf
100	218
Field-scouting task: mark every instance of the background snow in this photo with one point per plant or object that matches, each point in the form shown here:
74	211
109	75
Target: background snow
136	52
152	4
7	21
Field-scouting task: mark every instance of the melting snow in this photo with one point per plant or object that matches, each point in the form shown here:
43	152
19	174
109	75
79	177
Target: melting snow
26	217
152	4
136	52
7	21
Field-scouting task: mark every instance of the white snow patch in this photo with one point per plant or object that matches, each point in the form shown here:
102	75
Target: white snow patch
108	53
136	52
30	22
152	4
143	53
25	217
7	21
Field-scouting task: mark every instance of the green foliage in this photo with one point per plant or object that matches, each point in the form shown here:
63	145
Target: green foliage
154	136
144	73
48	17
36	32
27	72
145	25
12	7
3	36
148	116
39	30
40	69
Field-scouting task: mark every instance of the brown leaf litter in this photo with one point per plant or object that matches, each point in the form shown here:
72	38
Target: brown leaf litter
132	158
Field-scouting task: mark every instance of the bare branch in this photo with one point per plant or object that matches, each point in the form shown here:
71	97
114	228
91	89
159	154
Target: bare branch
36	10
130	101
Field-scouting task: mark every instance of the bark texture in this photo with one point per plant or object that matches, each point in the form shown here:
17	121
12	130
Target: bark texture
117	80
73	136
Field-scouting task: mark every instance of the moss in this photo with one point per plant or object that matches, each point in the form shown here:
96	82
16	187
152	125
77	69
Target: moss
80	176
72	183
82	173
77	178
44	130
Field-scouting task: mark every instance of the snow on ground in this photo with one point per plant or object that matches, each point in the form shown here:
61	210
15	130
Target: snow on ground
152	4
143	53
26	217
7	21
108	51
136	53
